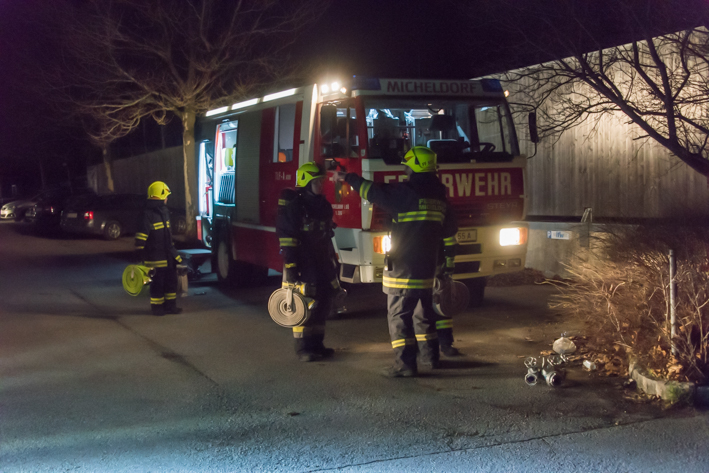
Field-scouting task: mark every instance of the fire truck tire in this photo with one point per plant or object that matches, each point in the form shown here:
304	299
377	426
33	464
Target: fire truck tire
236	273
476	287
225	264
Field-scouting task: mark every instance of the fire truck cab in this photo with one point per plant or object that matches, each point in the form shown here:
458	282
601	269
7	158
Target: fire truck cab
249	151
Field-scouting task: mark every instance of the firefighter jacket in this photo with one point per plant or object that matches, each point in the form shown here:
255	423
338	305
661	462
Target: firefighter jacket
305	229
153	240
422	221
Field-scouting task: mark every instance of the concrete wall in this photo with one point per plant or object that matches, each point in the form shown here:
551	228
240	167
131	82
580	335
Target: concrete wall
613	171
134	175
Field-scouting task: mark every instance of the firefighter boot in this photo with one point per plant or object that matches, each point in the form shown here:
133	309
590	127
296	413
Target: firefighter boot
405	364
319	348
429	354
171	307
302	350
445	340
399	372
157	309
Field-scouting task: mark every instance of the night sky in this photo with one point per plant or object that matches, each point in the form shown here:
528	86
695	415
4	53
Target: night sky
385	38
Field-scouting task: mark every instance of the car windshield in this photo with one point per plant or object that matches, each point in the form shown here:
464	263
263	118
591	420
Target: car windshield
457	130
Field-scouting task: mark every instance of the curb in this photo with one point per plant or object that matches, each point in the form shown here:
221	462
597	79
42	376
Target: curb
671	391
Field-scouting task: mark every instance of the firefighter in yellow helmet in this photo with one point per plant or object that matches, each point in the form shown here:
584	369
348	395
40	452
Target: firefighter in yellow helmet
153	243
422	221
305	229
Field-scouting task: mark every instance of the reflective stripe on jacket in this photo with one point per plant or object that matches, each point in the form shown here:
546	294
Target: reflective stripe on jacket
154	238
305	230
423	227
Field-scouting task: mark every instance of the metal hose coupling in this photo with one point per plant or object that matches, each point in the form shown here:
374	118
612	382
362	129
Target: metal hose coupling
546	367
552	377
532	376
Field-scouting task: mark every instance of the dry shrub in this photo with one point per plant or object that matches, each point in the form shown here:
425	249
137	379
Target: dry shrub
621	286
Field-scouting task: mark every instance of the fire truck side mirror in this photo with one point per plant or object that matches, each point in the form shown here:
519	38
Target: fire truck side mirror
533	133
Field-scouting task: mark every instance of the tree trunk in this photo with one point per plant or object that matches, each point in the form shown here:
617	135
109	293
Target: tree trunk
190	171
108	168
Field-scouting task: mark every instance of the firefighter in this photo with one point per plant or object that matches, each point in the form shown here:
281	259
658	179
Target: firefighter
305	229
444	323
153	244
421	220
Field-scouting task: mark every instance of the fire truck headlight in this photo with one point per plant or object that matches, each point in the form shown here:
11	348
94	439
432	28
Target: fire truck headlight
513	236
382	244
324	89
335	86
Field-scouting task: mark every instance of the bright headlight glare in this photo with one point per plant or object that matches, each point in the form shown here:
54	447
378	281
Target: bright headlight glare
335	85
386	244
324	89
513	236
381	244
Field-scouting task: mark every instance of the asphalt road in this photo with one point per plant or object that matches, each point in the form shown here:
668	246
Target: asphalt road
89	381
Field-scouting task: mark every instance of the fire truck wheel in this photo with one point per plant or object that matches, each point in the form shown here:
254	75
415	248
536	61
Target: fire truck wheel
476	287
225	264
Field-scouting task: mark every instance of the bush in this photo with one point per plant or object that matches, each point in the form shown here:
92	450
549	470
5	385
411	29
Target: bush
621	286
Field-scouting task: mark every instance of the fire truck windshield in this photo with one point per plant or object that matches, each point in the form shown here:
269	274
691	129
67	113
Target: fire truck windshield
457	130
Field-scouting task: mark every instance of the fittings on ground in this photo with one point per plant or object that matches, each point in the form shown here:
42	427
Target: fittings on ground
547	368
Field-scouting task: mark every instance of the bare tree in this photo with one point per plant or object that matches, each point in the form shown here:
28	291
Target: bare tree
125	60
647	60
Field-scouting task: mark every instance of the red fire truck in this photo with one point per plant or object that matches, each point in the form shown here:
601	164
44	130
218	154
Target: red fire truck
249	151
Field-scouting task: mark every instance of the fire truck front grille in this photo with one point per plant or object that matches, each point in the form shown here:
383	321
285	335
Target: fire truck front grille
474	249
467	267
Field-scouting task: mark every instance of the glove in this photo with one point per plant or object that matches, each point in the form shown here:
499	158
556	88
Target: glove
449	267
138	257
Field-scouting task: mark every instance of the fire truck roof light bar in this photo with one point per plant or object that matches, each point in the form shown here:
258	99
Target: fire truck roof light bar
216	111
247	103
278	95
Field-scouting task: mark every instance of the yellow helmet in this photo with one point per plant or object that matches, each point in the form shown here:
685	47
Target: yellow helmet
421	159
306	173
158	190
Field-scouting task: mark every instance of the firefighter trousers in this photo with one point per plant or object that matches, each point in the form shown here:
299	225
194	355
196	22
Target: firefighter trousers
444	327
412	328
309	336
163	288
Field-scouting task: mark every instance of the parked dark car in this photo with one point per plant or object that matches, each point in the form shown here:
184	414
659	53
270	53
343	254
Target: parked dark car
111	215
46	213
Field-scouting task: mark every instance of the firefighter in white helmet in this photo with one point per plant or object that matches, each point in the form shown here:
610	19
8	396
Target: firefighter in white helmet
305	229
422	220
153	243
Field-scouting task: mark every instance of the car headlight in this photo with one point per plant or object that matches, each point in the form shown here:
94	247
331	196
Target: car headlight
513	236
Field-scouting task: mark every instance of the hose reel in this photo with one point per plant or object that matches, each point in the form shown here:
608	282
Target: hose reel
450	298
136	278
289	308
